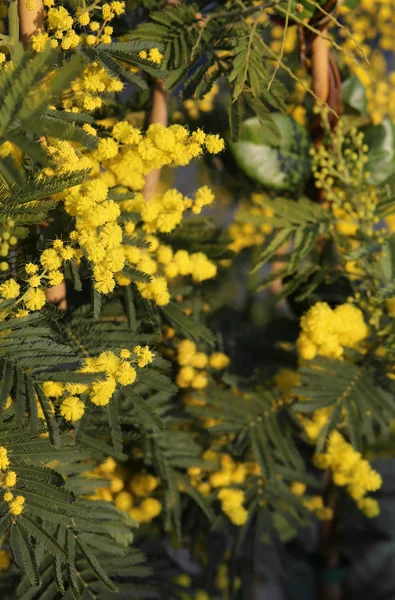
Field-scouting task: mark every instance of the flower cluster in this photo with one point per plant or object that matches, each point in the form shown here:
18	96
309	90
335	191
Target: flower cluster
336	168
325	332
193	364
153	54
124	159
232	505
8	240
89	25
7	482
134	496
244	235
314	503
86	91
130	155
351	470
118	370
371	24
222	480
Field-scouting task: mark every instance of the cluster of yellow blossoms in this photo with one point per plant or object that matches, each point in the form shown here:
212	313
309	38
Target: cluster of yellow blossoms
314	503
338	167
371	26
118	371
351	470
7	482
325	332
244	235
124	159
8	239
37	277
193	364
228	475
86	91
133	496
91	22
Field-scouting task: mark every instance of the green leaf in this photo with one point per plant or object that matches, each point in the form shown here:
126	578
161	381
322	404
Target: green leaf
381	154
275	244
96	300
96	566
48	411
146	415
234	120
130	308
42	537
279	167
354	95
8	378
25	555
187	325
113	419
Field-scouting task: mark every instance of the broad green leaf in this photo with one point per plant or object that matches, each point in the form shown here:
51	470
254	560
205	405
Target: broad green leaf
381	154
281	165
354	94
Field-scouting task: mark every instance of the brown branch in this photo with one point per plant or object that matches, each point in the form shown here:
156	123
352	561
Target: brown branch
159	114
31	22
320	67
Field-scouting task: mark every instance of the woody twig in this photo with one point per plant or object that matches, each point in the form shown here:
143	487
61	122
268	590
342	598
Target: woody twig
159	114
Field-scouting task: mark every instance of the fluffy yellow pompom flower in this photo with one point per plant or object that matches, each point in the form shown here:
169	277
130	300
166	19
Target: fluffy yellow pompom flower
298	488
4	460
369	506
151	508
125	353
102	391
72	408
126	374
108	362
16	506
34	281
186	350
107	148
83	18
199	382
9	289
141	485
10	479
232	505
59	19
351	326
214	144
325	331
50	260
199	360
53	389
31	268
55	277
34	299
124	501
144	355
39	42
8	496
219	360
185	376
126	133
155	55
